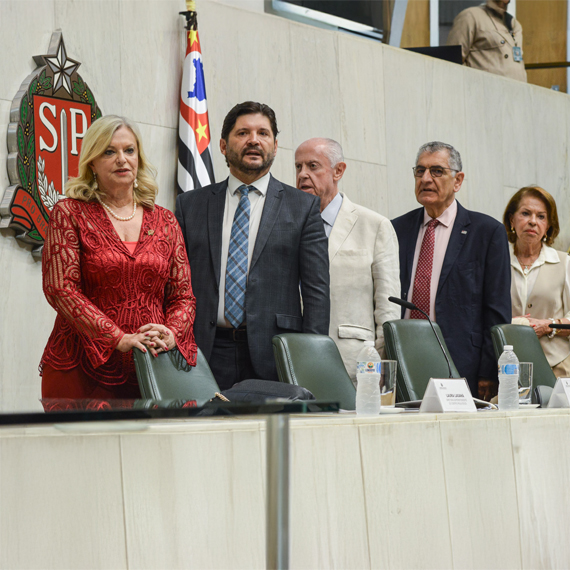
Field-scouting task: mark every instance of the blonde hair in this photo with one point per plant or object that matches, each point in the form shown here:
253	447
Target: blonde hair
96	141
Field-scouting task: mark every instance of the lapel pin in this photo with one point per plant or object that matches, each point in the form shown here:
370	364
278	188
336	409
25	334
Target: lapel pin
464	231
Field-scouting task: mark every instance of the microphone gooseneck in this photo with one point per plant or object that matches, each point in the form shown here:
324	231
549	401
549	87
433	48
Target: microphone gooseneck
412	307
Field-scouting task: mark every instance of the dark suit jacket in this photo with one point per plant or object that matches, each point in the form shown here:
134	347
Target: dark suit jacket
291	248
474	287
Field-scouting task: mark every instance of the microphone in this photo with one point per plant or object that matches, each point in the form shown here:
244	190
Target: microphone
412	307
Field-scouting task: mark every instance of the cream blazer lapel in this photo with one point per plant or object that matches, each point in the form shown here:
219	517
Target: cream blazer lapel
345	220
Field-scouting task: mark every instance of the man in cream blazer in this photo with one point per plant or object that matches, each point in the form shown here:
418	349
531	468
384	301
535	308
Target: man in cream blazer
363	253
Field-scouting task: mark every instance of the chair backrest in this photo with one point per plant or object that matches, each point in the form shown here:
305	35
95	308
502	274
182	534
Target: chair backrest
313	362
169	377
541	395
412	343
527	348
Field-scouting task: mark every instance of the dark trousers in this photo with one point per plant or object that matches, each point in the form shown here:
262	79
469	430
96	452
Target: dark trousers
230	362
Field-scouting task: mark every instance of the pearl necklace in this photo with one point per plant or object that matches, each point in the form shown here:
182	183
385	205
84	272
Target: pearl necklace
121	219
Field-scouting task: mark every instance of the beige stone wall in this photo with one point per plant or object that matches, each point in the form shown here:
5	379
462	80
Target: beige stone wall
381	103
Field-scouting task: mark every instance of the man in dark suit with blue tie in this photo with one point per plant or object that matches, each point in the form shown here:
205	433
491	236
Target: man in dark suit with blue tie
255	245
455	265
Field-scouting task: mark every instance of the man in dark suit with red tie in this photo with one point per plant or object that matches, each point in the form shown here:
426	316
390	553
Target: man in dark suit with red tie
455	265
254	245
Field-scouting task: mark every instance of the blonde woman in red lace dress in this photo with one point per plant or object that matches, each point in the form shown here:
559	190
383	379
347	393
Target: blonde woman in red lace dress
115	269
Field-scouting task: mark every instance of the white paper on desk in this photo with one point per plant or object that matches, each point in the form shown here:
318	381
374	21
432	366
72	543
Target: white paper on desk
560	397
448	395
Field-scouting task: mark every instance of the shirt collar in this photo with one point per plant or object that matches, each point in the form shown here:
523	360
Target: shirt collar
547	255
447	218
260	184
330	213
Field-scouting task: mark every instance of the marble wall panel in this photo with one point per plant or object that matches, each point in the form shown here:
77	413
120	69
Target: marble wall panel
152	45
195	500
26	321
26	31
61	503
482	154
519	154
99	51
542	490
161	148
405	97
365	184
252	64
222	70
400	495
284	166
508	192
361	89
445	104
473	525
562	198
445	109
315	95
327	499
551	141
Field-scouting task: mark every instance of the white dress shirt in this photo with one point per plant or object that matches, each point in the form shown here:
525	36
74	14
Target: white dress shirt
257	201
442	235
330	213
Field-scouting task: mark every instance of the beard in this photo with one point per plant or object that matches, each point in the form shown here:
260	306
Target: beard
237	160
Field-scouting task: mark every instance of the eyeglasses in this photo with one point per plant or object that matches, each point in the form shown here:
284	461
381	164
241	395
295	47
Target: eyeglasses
435	171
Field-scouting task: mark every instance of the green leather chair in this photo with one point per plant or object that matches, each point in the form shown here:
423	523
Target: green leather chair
168	377
412	343
528	349
313	362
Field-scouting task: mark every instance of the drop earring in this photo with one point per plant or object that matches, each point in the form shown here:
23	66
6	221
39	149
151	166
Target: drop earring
136	184
95	185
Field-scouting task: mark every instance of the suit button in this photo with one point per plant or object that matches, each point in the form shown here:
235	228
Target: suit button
502	41
212	323
506	56
529	305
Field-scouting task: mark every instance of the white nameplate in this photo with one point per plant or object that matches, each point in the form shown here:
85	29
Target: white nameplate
448	395
560	397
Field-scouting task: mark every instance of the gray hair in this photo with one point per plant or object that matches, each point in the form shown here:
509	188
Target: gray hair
333	151
435	146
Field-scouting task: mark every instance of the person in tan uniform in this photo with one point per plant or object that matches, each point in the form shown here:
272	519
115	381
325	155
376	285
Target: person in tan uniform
490	39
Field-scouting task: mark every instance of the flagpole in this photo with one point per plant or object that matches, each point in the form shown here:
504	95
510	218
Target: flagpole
195	165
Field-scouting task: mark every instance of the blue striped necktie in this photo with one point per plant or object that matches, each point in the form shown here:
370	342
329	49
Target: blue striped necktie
236	269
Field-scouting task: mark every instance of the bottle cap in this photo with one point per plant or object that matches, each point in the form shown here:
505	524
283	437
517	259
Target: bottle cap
508	347
368	343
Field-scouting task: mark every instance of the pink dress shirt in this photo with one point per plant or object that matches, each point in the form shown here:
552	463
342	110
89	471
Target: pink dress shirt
442	235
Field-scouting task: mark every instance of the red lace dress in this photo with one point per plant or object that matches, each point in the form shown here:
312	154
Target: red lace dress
101	291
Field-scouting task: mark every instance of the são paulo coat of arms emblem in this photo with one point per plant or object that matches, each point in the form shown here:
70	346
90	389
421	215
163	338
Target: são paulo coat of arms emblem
48	119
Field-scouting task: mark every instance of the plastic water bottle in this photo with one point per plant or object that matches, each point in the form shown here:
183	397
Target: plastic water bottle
368	378
508	380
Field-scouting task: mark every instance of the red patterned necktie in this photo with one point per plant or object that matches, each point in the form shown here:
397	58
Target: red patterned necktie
422	280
